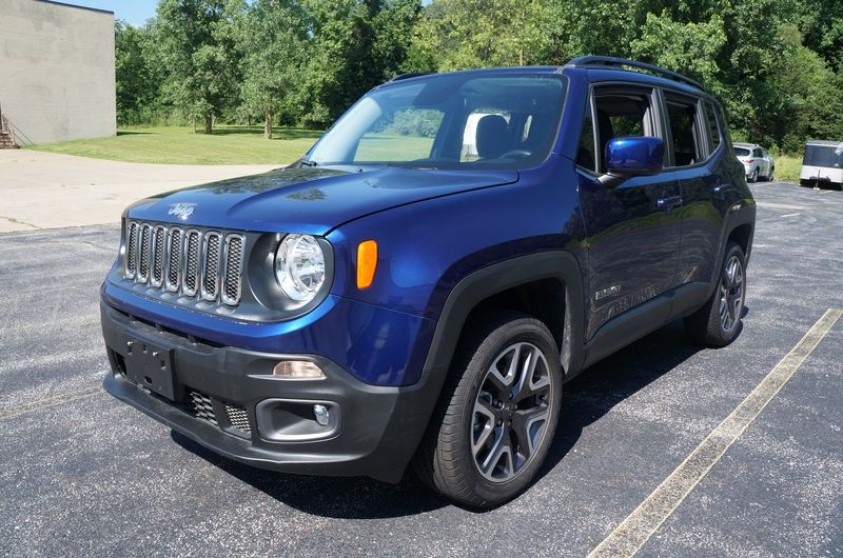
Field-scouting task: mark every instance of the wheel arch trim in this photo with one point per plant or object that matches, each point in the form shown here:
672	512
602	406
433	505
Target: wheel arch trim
502	276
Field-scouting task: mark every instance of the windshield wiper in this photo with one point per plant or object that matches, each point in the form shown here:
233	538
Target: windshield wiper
304	162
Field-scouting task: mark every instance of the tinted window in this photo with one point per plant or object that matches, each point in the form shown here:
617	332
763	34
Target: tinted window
824	155
585	150
741	152
713	128
682	114
621	114
449	121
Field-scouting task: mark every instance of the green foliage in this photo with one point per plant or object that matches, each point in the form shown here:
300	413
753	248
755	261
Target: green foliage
271	37
688	48
354	45
460	34
775	65
138	73
197	40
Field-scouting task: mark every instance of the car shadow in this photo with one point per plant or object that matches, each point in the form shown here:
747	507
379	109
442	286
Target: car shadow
586	399
597	390
334	497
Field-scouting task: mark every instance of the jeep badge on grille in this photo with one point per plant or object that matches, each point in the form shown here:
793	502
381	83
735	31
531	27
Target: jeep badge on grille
182	210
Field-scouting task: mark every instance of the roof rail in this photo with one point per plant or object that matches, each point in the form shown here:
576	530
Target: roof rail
611	61
412	75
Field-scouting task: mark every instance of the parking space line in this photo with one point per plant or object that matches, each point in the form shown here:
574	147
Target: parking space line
48	402
628	537
780	217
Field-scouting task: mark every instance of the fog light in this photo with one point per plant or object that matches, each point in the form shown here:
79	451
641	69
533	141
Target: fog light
321	414
297	369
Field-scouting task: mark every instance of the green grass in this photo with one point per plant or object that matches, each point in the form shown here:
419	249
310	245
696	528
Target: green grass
788	167
383	147
228	145
233	145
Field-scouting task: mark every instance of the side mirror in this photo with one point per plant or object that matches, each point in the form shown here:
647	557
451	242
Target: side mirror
628	157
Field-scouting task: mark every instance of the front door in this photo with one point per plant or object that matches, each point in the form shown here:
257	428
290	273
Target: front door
633	229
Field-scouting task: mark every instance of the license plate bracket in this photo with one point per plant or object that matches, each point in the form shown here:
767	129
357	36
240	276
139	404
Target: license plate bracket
150	365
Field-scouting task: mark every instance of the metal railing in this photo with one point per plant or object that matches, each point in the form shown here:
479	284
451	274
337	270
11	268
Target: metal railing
8	127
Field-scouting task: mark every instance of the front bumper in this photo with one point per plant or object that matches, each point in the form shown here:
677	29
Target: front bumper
227	400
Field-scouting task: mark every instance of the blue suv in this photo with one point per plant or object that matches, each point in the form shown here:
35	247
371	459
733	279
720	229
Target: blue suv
419	286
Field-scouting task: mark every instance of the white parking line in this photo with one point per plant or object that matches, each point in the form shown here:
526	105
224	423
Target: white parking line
628	537
781	217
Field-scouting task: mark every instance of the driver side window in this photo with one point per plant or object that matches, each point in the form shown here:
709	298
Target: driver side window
621	113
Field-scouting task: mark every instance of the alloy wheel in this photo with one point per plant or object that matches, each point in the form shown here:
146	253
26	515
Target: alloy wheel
731	294
511	412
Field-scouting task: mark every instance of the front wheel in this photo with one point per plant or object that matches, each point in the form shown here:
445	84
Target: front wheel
498	414
717	323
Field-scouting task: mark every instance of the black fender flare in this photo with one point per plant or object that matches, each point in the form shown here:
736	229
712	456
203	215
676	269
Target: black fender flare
499	277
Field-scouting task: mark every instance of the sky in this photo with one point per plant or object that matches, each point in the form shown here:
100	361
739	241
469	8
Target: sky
133	12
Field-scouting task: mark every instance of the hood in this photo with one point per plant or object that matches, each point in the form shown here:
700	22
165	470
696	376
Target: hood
308	200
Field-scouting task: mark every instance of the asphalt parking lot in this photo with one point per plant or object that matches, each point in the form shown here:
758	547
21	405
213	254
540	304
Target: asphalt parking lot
84	475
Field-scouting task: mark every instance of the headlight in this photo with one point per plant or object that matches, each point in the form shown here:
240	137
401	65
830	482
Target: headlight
300	267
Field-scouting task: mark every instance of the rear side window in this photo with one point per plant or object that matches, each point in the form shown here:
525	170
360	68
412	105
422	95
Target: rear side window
713	127
684	132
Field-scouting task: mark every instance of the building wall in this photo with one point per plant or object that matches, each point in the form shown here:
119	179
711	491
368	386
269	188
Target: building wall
56	71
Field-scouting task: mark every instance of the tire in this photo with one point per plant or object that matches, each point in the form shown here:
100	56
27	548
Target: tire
495	422
753	177
718	322
771	177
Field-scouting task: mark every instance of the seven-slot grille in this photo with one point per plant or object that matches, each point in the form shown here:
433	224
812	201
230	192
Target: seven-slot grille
187	262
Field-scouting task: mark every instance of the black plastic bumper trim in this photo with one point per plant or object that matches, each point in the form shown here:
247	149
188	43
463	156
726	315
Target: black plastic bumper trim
378	435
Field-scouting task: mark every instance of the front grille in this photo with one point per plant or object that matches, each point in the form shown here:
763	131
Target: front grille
238	418
203	408
206	265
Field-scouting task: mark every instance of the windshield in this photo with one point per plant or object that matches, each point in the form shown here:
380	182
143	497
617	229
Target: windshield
449	121
741	152
829	155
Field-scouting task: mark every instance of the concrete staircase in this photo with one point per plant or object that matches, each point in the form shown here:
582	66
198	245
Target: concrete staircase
6	141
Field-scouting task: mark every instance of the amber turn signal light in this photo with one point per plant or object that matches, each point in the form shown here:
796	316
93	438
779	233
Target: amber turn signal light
367	263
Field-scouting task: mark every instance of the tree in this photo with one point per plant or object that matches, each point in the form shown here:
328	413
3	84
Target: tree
688	48
460	34
808	94
271	36
354	45
198	40
137	73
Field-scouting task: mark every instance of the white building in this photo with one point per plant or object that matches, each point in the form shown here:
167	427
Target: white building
56	71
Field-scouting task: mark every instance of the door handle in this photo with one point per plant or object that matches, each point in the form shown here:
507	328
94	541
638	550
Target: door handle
721	191
669	202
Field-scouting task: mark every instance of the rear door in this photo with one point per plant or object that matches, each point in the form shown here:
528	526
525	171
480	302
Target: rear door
696	157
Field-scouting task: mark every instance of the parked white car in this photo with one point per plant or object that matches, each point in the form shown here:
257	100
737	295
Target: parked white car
756	161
